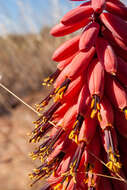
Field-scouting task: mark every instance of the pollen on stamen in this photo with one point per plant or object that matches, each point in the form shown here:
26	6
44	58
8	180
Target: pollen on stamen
51	79
76	161
89	176
125	112
64	183
58	186
45	101
46	169
71	158
47	115
113	164
95	106
76	128
59	92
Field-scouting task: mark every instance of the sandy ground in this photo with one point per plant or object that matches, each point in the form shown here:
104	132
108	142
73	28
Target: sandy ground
15	164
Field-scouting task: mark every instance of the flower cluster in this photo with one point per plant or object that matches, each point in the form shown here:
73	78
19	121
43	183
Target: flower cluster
84	132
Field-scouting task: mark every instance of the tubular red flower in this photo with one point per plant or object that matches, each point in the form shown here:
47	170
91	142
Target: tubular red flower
121	123
92	165
96	86
122	71
96	78
106	55
98	5
116	94
84	101
67	49
114	41
87	130
117	8
62	30
77	66
115	24
86	125
89	36
107	115
77	14
64	63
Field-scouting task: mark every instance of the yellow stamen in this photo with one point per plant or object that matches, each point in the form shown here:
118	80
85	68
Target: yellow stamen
34	158
71	135
92	103
42	159
59	93
93	113
72	173
76	138
113	164
76	128
48	81
58	186
75	124
36	170
65	182
53	173
33	141
38	139
86	181
90	180
98	106
30	154
44	84
113	73
99	116
39	107
31	176
95	106
125	113
74	135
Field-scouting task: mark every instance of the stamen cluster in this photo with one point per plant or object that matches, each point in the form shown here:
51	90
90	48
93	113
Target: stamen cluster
83	135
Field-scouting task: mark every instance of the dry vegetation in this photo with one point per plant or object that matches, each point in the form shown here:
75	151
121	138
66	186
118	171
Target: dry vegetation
24	61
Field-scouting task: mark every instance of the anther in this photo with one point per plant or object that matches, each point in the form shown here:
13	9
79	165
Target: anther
90	176
125	112
59	92
51	79
76	161
45	101
95	106
47	168
76	128
113	158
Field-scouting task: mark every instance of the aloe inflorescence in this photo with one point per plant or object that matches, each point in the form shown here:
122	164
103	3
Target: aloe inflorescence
83	134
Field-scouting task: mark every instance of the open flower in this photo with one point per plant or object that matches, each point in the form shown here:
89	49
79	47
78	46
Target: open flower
82	129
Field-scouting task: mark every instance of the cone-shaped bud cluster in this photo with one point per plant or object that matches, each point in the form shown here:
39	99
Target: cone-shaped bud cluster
83	134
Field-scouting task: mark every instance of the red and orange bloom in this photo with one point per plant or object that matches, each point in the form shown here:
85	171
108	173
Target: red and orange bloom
84	131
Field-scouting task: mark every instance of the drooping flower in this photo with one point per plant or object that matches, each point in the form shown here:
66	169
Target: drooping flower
81	133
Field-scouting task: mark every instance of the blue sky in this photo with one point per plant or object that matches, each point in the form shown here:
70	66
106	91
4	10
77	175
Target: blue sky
22	16
30	15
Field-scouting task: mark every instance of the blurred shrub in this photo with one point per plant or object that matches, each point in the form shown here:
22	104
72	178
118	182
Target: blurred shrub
25	60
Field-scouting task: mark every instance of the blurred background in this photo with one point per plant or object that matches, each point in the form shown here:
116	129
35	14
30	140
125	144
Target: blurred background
26	48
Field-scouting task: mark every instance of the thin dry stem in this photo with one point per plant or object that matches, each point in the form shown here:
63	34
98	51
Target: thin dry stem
31	108
120	178
101	161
